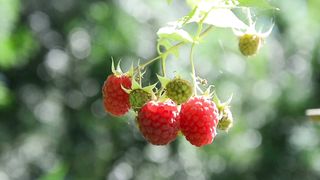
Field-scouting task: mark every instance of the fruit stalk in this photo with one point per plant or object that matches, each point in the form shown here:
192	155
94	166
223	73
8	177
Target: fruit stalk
202	34
163	66
193	71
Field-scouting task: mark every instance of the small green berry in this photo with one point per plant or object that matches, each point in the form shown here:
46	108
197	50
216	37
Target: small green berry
249	44
179	90
138	98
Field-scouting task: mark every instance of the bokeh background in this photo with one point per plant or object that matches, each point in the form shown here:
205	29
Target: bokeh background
56	54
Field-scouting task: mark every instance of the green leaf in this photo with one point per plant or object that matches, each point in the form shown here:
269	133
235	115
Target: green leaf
169	1
167	45
257	3
206	5
173	33
187	18
164	43
224	18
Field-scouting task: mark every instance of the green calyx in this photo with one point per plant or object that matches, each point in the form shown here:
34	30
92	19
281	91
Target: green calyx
225	115
179	90
139	96
118	71
249	44
226	119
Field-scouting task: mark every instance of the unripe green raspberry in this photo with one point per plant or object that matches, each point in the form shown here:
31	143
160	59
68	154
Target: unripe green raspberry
179	90
226	120
138	98
249	44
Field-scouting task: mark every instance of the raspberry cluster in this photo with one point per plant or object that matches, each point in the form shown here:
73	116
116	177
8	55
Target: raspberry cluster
162	113
179	105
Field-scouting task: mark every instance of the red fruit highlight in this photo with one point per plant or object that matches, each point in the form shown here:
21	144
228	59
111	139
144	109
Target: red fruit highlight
198	120
115	99
158	122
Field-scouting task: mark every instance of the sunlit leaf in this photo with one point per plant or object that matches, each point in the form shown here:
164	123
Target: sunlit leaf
224	18
174	34
256	3
166	44
208	4
187	18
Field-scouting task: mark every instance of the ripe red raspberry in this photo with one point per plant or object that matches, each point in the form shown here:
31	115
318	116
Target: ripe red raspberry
198	120
158	122
115	99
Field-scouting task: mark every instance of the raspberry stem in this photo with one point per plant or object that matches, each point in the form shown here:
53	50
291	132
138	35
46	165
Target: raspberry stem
160	56
149	62
202	34
163	65
196	38
193	70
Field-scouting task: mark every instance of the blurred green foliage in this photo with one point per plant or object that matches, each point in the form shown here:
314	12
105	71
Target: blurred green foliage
55	56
